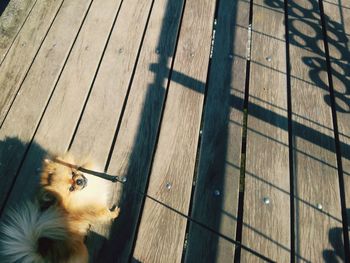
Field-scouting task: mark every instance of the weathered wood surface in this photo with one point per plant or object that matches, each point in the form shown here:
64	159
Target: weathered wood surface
216	191
61	116
137	134
338	34
98	124
11	22
28	107
19	58
102	114
266	227
161	232
102	92
315	175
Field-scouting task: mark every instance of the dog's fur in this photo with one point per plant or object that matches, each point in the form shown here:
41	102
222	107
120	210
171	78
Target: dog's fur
54	226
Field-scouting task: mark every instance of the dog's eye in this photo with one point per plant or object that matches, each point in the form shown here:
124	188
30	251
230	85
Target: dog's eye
79	182
71	189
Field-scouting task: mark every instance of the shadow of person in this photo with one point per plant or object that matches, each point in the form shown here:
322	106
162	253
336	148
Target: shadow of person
12	153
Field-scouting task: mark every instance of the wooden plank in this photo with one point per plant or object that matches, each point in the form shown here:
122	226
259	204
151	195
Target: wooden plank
161	232
266	227
11	22
98	124
338	34
61	116
24	115
137	134
216	192
96	130
315	175
22	52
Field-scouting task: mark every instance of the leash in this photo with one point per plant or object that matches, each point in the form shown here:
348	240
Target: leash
123	180
112	178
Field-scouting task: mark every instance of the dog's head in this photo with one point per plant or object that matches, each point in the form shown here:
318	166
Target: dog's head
60	175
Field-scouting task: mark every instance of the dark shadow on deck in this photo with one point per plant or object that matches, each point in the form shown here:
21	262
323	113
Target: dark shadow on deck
3	5
11	158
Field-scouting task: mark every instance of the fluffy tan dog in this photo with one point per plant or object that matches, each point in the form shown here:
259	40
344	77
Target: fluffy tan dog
53	228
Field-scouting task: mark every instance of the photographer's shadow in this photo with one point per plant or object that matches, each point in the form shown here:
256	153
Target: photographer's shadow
13	151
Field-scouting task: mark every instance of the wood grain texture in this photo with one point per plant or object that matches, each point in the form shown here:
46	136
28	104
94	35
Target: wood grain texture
338	34
59	121
99	122
161	231
11	21
315	175
22	52
219	163
37	87
138	130
266	227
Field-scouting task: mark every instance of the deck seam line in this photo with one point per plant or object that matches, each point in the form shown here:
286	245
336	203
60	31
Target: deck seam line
290	135
240	209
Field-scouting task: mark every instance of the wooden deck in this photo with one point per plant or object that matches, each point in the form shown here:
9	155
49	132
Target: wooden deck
229	119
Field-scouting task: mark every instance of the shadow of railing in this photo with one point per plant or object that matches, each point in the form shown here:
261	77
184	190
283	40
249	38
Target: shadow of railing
336	36
330	76
146	140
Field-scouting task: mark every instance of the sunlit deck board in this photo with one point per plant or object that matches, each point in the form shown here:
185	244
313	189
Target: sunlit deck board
161	232
11	22
135	142
266	210
215	200
27	109
338	35
103	111
19	58
61	116
315	167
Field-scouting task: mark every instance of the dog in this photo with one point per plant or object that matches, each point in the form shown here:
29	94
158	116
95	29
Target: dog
53	227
